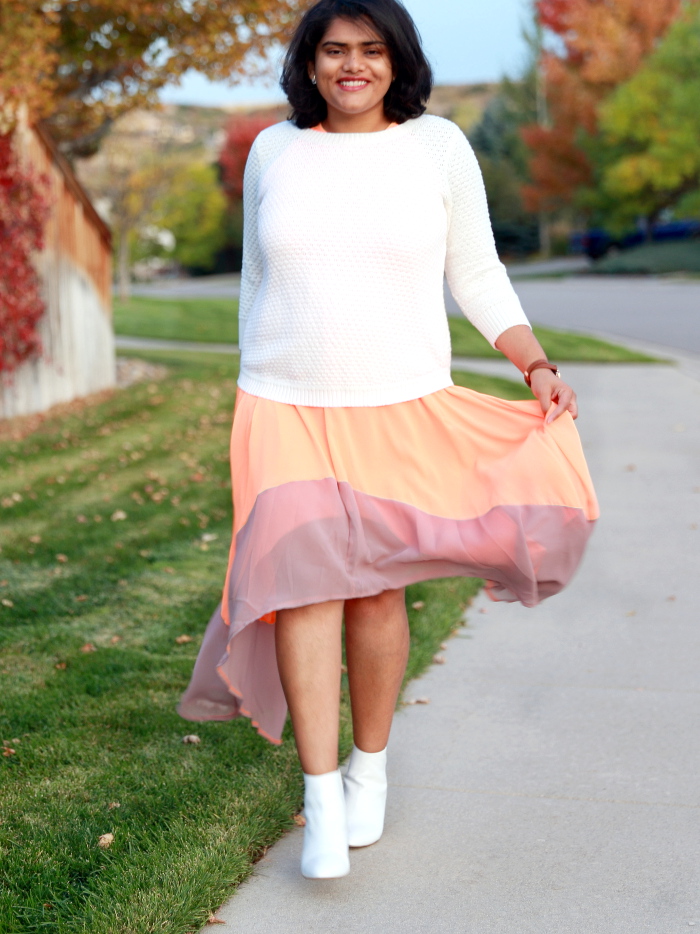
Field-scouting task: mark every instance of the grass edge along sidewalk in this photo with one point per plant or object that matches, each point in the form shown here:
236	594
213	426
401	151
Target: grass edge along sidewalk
215	320
116	520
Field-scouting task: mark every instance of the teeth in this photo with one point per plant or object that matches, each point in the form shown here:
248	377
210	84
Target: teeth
353	84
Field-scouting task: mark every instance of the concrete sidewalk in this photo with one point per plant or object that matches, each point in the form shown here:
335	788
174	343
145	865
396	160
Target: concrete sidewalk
552	784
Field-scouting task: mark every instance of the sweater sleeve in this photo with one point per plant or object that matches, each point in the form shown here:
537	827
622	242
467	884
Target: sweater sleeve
477	278
252	265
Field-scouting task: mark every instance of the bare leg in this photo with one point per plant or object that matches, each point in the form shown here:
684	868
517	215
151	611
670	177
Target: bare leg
376	647
308	643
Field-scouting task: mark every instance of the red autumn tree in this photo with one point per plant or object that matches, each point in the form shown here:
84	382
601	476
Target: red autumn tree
240	136
602	43
23	213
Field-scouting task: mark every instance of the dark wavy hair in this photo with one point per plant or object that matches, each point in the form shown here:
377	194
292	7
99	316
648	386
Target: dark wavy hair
413	82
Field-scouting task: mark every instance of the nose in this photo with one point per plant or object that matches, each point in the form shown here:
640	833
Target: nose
353	61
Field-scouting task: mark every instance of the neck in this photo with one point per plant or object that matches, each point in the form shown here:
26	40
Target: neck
372	121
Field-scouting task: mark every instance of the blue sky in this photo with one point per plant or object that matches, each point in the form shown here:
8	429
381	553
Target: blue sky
466	41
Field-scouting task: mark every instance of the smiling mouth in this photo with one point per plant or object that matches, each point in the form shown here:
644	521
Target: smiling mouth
353	84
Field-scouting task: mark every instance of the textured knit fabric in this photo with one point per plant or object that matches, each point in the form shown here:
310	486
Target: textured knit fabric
344	502
347	239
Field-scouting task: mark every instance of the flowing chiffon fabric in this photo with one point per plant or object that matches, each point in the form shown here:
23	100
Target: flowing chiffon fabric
337	503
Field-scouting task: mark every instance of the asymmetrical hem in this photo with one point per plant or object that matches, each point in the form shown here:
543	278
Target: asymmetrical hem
344	502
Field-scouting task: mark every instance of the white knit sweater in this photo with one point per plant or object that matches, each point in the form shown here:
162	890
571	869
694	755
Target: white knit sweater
347	237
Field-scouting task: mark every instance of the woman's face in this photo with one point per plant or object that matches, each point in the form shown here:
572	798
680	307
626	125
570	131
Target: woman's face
353	68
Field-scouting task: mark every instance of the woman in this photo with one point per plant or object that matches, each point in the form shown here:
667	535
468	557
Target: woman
358	467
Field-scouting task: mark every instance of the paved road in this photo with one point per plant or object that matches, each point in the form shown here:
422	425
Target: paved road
551	785
224	286
658	311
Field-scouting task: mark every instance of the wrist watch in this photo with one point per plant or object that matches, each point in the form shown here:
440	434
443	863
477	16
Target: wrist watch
540	365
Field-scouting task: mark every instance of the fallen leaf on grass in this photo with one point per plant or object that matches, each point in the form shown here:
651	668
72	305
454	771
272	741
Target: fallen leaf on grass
418	605
112	805
145	553
8	751
209	537
443	645
181	640
88	647
106	840
115	639
60	665
418	700
300	820
8	603
212	919
62	558
81	519
438	659
169	570
191	738
118	515
35	539
81	598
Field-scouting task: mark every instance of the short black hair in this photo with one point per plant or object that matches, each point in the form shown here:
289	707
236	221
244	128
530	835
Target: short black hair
413	82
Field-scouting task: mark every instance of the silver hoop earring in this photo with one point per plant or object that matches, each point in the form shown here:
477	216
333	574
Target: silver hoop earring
313	80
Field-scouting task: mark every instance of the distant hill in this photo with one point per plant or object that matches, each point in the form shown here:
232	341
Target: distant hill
181	127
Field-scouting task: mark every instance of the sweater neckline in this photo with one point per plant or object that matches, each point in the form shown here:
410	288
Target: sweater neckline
334	139
319	128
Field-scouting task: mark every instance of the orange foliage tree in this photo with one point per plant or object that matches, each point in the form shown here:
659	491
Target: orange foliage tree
85	62
600	44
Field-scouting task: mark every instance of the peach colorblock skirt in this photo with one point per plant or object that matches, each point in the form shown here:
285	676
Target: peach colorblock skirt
338	503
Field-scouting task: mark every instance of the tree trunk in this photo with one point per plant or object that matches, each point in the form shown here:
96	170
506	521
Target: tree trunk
545	236
123	267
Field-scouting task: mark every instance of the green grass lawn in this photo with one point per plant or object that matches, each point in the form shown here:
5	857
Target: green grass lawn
653	258
116	523
560	346
212	320
216	319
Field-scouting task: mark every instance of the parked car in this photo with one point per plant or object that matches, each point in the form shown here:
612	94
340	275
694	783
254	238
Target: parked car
597	242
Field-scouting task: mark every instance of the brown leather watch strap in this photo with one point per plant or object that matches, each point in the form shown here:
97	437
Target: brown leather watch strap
540	365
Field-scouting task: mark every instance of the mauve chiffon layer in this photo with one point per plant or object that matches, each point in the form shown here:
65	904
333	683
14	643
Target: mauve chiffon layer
336	503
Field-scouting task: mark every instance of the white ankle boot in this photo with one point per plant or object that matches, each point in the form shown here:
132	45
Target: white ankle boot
365	796
325	851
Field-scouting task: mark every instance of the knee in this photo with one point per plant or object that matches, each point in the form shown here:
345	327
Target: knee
381	605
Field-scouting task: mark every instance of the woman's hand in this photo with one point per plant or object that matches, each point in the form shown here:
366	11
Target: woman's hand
547	389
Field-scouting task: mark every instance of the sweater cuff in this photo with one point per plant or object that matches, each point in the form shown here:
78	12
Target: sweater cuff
497	319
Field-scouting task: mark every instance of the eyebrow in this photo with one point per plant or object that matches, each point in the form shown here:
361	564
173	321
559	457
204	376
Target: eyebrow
345	44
